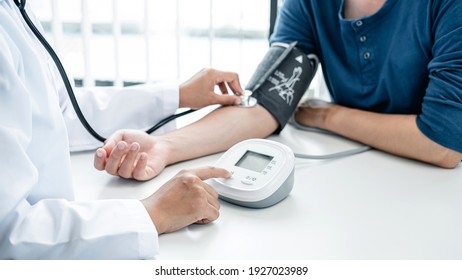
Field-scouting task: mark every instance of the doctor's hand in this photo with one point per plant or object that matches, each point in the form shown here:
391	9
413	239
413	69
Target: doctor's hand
199	92
131	154
185	199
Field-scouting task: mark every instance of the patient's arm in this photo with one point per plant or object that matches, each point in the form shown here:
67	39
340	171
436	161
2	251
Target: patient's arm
134	154
218	131
392	133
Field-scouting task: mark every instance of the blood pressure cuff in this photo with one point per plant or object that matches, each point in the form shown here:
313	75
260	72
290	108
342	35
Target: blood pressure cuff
281	79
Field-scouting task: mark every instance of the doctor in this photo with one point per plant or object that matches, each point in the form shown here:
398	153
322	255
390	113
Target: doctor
38	128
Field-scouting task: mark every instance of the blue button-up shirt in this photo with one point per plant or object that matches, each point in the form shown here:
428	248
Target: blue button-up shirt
404	59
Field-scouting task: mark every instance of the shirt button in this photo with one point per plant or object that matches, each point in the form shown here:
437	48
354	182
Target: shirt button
363	38
367	55
359	23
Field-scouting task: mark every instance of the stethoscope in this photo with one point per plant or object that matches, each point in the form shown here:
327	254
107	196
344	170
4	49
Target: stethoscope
21	5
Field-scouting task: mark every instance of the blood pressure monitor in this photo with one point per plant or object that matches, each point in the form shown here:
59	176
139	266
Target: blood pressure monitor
262	173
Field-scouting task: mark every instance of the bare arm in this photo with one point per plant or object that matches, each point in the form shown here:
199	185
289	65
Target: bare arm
396	134
218	131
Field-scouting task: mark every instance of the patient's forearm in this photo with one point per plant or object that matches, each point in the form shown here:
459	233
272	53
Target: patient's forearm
396	134
218	131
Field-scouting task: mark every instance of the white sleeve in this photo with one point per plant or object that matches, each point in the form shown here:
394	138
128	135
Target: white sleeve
108	109
59	229
37	217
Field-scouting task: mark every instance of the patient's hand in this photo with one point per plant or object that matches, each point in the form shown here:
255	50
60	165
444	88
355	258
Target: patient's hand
131	154
314	113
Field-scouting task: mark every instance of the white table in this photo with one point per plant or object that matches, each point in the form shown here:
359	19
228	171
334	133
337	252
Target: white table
368	206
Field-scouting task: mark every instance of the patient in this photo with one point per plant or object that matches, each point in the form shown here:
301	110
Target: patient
399	92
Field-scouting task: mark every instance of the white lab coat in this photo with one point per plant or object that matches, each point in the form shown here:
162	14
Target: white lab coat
38	217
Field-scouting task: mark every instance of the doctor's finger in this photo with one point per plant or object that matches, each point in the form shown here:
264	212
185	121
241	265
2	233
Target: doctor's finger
227	99
223	88
211	213
128	162
208	220
208	211
212	198
232	79
212	194
208	172
115	158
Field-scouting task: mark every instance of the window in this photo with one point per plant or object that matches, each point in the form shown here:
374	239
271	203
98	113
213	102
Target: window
123	42
120	42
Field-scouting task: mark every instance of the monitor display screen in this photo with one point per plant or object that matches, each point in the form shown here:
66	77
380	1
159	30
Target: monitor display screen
254	161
